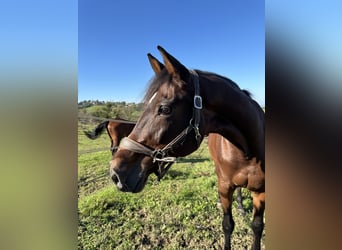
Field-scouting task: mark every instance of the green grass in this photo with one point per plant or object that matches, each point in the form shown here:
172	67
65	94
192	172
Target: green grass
179	212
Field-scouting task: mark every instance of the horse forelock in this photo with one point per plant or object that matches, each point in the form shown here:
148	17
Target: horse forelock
165	85
154	85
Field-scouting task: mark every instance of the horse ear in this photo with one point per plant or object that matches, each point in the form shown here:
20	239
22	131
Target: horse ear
155	64
173	66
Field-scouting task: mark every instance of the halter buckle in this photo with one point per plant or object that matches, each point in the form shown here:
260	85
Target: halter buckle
158	155
198	102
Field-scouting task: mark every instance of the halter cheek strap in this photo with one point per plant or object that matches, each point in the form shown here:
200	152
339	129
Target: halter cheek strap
162	155
197	106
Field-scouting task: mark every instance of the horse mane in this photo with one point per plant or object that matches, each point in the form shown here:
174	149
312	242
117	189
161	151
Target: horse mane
249	94
231	82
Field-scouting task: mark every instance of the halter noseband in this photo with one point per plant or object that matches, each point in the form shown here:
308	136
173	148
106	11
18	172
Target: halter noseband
162	155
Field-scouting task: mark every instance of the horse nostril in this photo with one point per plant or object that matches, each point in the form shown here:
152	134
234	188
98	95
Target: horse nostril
115	178
112	173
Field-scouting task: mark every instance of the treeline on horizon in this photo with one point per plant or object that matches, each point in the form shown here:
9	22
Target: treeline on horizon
108	109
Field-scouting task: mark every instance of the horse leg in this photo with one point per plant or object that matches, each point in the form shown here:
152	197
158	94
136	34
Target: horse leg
239	201
218	200
258	218
228	224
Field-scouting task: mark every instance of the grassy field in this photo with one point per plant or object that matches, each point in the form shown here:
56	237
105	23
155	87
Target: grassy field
180	212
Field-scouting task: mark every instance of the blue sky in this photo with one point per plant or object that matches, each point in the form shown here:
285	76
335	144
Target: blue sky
114	37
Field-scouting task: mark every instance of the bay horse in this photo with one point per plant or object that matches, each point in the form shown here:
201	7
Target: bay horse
181	106
120	128
116	128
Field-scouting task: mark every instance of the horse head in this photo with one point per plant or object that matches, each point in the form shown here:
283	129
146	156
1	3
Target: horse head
169	126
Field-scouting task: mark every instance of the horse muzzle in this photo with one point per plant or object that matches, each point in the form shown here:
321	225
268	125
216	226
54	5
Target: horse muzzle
127	179
116	179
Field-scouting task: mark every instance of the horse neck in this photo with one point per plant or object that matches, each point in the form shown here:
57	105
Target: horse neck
230	112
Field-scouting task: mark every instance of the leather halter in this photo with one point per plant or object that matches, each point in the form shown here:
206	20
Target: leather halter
162	155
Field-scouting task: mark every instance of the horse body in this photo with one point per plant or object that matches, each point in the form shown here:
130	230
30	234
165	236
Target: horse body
183	106
116	128
234	170
231	112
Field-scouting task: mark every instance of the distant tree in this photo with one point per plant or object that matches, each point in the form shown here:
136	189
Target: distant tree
100	111
109	109
109	105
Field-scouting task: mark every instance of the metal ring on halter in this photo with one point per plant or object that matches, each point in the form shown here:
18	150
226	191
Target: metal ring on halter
158	155
198	102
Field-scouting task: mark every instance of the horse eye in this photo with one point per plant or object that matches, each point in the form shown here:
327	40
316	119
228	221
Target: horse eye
164	110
